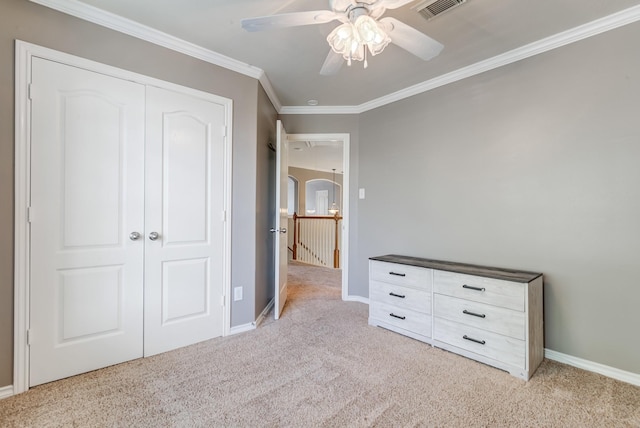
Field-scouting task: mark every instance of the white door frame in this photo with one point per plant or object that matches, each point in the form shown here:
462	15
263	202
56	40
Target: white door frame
24	53
344	251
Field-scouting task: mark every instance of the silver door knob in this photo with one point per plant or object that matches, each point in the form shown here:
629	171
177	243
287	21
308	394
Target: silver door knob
134	236
272	230
153	236
283	230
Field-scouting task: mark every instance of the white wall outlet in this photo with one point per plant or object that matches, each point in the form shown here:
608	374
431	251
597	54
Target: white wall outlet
361	193
237	293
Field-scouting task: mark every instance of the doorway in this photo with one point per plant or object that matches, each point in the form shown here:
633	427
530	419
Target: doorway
328	154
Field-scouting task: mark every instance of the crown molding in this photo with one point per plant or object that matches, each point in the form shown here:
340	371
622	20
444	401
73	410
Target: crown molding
126	26
132	28
581	32
320	110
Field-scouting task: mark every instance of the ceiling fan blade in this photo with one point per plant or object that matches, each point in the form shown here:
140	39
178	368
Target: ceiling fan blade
411	40
332	64
288	20
393	4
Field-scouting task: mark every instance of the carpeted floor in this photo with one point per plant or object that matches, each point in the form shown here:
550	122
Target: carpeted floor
322	365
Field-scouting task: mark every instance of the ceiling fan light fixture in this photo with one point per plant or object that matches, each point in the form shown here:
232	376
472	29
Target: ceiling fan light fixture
371	34
352	39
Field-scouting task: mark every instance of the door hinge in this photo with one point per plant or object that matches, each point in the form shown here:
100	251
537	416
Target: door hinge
28	214
223	216
224	131
28	337
30	91
222	300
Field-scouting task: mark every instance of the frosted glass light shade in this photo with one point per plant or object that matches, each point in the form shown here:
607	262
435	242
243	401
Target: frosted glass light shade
371	34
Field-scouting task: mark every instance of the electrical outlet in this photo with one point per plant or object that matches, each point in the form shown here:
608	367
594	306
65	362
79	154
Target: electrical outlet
237	294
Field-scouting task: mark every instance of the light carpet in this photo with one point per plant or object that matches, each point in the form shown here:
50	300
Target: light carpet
322	365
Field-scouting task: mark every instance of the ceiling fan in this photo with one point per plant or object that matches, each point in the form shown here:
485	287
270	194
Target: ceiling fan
362	31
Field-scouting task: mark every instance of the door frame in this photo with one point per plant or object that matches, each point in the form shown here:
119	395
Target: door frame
344	250
24	53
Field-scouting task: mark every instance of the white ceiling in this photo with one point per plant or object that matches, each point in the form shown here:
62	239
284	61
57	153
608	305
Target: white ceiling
291	58
316	155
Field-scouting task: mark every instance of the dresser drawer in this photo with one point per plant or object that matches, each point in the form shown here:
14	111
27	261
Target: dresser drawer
400	296
496	346
480	315
495	292
407	319
409	276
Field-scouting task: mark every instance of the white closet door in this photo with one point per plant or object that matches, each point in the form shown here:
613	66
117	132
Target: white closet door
184	220
87	166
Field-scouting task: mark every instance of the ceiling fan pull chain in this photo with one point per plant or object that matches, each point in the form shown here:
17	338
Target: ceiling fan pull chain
366	64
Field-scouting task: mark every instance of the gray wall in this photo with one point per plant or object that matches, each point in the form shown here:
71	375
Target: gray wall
339	124
265	204
303	175
533	166
21	19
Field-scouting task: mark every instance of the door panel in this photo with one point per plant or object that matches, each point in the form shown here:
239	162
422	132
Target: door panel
282	220
186	163
87	152
184	205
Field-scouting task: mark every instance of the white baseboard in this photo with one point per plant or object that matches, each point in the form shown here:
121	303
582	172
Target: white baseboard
252	325
6	391
264	313
360	299
242	328
612	372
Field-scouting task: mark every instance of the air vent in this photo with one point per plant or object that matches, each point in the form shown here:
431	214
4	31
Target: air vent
432	8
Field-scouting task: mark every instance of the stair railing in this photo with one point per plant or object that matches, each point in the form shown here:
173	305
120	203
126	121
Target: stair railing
316	239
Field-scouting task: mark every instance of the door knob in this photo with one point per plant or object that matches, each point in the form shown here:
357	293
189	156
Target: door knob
283	230
272	230
134	236
153	236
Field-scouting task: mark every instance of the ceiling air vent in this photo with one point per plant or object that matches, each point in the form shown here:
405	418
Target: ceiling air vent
432	8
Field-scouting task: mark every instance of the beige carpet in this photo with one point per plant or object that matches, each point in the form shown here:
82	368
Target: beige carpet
322	365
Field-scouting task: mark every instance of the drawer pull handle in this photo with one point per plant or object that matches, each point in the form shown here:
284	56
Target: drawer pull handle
397	274
474	314
473	288
482	342
397	316
397	295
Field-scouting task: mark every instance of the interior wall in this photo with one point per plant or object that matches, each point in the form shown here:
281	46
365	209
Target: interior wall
265	204
530	166
338	124
27	21
303	175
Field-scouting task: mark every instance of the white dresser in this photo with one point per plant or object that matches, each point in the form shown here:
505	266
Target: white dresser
492	315
400	298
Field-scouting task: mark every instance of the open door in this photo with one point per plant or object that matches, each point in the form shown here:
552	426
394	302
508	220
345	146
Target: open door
280	229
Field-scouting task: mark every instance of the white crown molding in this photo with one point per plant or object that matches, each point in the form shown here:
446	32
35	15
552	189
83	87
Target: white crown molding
581	32
612	372
135	29
271	93
320	110
132	28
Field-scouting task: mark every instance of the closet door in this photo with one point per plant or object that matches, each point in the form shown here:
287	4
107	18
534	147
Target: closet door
87	202
185	143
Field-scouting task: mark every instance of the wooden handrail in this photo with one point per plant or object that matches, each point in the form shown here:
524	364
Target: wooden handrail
296	235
